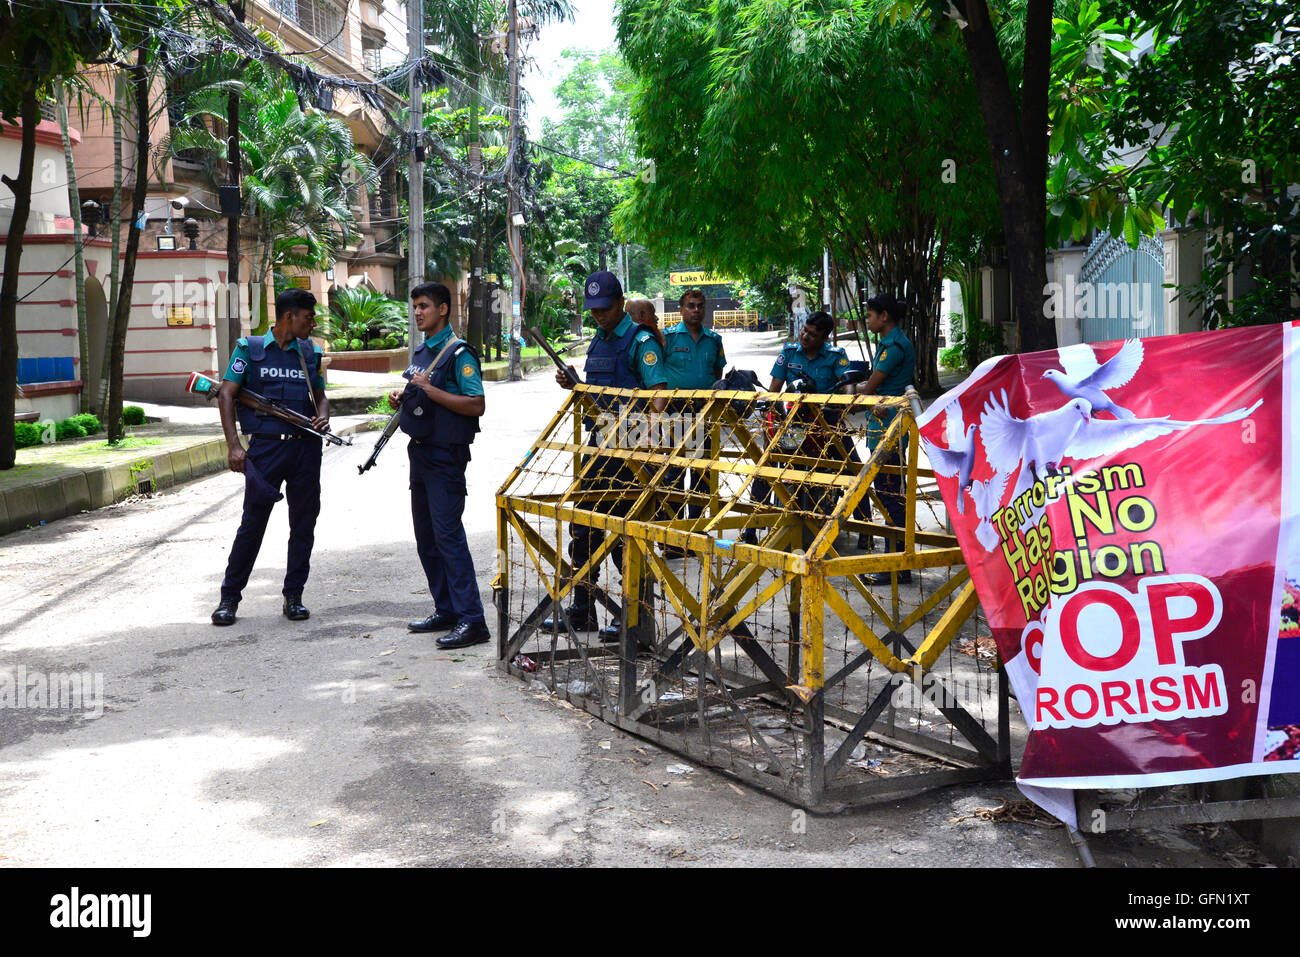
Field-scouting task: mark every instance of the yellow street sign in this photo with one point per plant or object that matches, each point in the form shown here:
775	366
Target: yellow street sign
697	279
180	316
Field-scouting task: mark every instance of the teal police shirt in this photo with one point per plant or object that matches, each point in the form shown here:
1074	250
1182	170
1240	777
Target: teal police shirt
239	360
824	368
645	356
466	378
693	364
897	360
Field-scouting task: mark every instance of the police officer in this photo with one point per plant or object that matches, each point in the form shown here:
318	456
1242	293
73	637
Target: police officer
890	375
622	355
283	365
815	359
440	413
695	360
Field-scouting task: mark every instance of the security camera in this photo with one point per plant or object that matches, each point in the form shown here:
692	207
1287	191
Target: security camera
180	202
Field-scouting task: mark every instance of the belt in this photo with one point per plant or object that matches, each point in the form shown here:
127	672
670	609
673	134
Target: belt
283	437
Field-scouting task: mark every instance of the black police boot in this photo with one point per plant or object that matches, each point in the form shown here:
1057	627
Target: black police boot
749	536
613	631
438	621
464	634
294	609
581	618
882	578
225	613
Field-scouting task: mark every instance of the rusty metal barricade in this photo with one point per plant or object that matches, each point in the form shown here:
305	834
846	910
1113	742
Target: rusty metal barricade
779	662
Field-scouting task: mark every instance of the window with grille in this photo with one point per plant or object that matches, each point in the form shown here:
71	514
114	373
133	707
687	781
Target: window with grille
323	19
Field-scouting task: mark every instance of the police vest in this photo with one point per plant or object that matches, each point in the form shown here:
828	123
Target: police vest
277	374
426	420
608	365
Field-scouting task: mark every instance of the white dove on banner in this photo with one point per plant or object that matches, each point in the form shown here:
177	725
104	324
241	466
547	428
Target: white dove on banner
1083	378
1039	443
987	496
959	458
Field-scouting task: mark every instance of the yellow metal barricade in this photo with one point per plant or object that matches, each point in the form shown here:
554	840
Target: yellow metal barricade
777	659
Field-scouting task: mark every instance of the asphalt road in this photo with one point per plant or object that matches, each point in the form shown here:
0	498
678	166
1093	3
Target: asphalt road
345	740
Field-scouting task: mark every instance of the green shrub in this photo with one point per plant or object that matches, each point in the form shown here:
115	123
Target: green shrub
88	422
68	429
26	434
339	345
380	407
132	415
356	345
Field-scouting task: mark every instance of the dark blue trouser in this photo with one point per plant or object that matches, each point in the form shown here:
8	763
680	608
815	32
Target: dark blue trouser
437	506
296	463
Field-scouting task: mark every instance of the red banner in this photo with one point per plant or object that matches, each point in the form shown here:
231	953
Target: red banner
1127	513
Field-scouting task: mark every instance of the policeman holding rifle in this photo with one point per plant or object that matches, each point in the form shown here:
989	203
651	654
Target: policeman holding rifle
284	367
622	355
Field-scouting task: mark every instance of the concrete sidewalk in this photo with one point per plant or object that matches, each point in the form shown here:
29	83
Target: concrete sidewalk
53	481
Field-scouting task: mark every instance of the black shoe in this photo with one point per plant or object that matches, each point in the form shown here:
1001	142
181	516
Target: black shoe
464	634
438	621
673	551
294	609
866	543
882	578
749	536
225	613
582	619
611	632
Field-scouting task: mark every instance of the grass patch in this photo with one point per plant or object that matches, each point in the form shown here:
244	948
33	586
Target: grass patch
129	442
380	407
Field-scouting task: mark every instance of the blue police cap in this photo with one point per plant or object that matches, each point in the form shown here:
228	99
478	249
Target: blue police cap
602	289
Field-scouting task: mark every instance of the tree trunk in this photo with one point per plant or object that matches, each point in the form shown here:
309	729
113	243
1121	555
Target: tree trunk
74	204
1018	144
122	318
22	190
115	261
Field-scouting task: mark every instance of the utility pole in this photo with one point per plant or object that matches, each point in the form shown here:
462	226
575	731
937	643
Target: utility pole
513	216
475	331
234	322
415	174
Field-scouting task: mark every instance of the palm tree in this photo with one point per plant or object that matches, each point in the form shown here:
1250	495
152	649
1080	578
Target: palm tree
359	314
303	172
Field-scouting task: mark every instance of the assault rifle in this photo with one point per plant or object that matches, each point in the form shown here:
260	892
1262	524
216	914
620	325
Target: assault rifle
200	384
540	340
395	419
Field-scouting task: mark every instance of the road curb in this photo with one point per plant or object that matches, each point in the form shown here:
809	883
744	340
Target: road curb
96	486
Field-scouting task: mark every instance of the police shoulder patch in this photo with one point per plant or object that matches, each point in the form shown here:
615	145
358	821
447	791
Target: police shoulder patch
844	360
466	371
650	358
238	366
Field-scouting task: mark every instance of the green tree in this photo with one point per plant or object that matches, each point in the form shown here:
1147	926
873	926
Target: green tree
1200	124
302	173
865	138
38	47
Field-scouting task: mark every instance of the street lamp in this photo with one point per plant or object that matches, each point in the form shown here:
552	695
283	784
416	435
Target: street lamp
91	215
191	229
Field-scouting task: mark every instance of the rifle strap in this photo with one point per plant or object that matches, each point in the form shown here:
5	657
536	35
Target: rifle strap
311	392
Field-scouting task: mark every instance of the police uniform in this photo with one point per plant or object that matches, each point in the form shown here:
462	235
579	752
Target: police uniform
823	369
277	453
692	364
896	358
630	357
439	451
